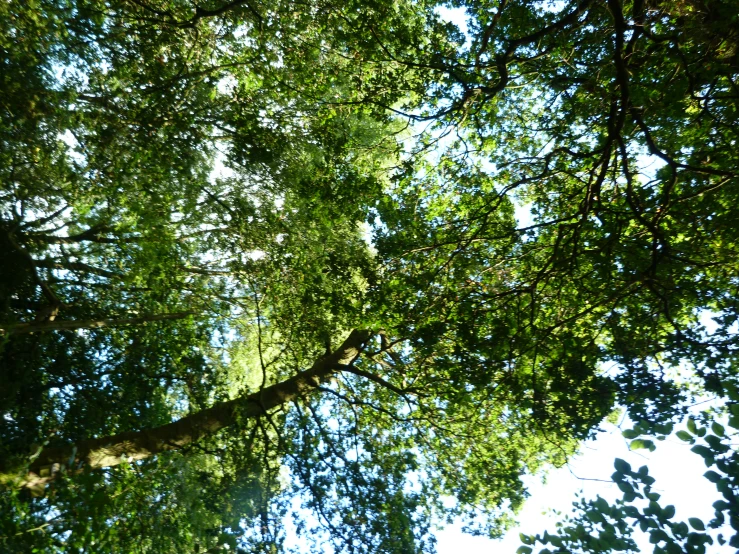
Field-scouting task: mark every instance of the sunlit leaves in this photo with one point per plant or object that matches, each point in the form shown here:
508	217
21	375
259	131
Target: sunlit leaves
554	243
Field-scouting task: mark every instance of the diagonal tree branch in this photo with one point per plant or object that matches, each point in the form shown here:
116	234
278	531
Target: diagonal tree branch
138	445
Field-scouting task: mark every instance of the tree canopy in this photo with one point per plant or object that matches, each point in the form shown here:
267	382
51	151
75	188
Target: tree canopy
350	265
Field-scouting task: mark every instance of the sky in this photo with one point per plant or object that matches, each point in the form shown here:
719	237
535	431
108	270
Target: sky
678	471
679	480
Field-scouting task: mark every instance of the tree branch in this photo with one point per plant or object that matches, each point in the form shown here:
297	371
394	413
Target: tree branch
137	445
71	325
374	378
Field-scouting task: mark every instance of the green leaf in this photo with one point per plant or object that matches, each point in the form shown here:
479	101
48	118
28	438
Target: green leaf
655	536
673	548
696	524
626	487
717	429
622	466
712	476
630	496
640	444
721	505
524	550
685	436
705	453
691	425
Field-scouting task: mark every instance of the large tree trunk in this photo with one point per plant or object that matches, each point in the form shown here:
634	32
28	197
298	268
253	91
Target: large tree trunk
137	445
71	325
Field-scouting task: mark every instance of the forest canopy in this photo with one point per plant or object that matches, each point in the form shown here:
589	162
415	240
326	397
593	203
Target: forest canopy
354	265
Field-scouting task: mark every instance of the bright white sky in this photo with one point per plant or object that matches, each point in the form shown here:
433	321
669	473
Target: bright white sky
680	481
678	471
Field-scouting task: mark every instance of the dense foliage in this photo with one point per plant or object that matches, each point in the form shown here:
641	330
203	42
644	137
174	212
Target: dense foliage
348	264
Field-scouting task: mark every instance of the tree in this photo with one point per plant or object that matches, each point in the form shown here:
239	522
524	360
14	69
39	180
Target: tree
235	287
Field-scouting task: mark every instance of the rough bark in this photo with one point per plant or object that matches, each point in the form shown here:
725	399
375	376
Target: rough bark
137	445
